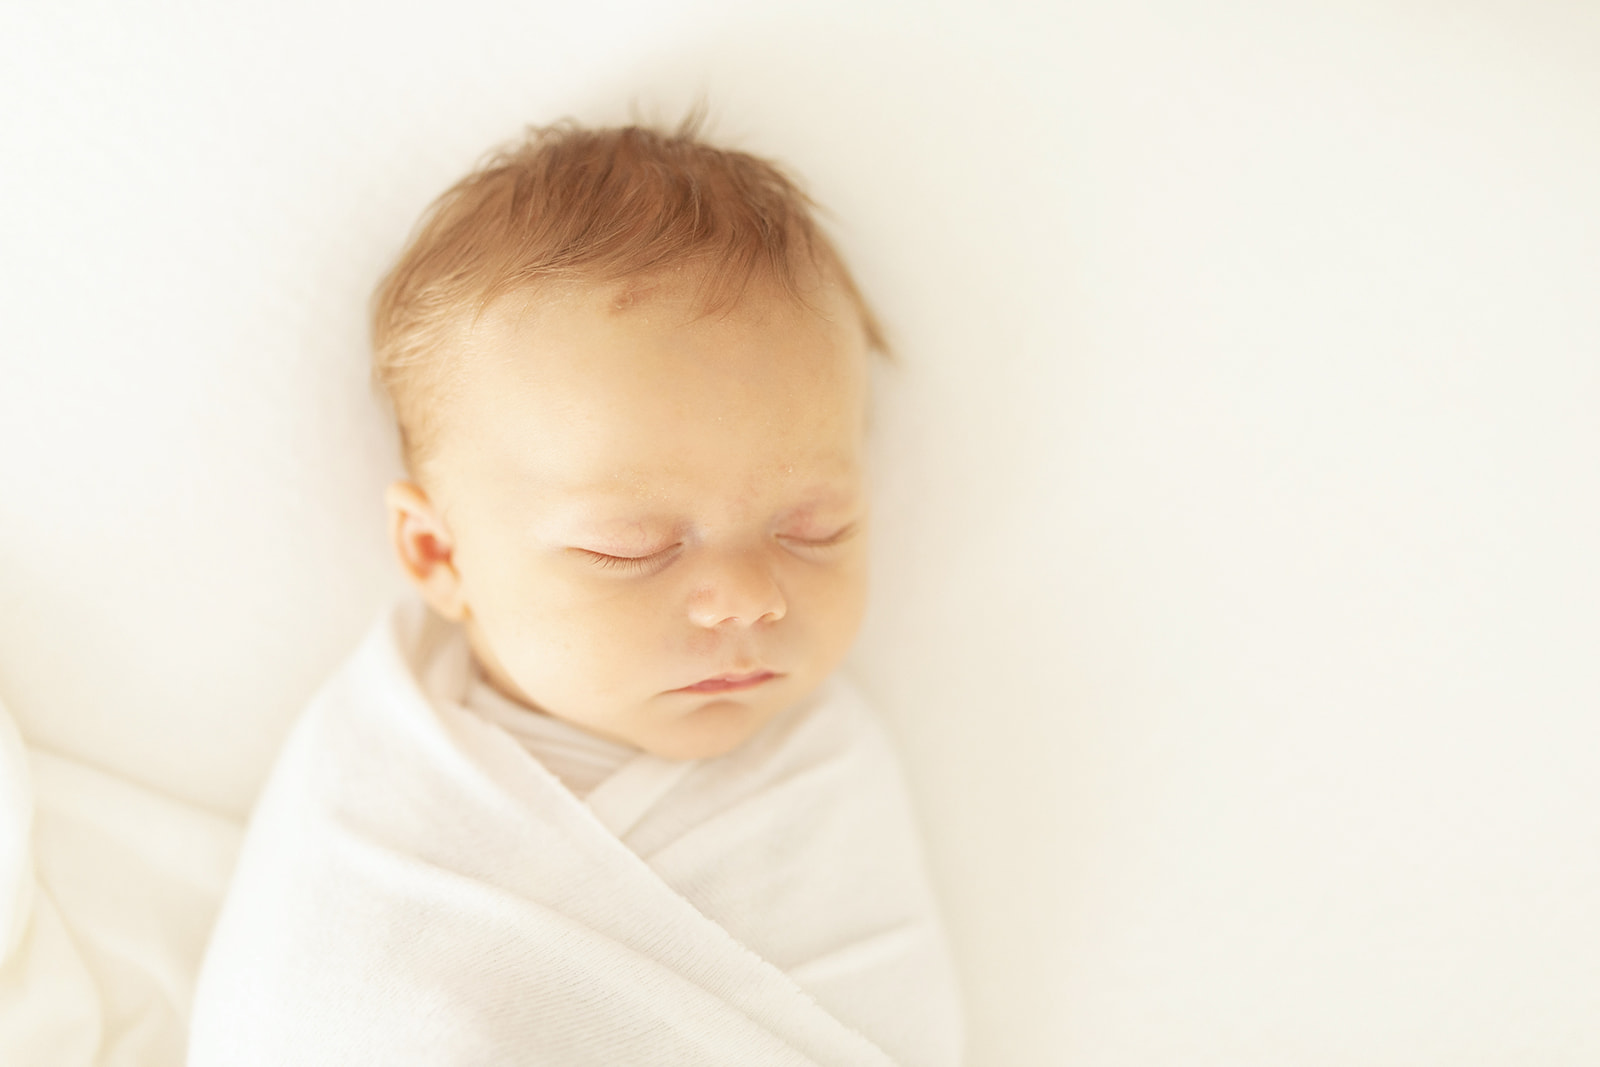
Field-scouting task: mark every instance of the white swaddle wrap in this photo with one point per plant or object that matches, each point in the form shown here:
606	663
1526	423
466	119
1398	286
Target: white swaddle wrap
415	888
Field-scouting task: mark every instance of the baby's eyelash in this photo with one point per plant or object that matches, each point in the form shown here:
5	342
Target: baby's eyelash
627	563
655	560
825	542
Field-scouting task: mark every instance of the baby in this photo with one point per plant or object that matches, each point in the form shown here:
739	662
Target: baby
593	795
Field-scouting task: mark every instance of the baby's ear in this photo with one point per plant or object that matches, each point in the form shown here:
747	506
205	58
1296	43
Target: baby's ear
424	548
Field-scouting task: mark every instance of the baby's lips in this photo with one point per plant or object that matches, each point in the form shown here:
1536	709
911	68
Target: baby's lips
729	682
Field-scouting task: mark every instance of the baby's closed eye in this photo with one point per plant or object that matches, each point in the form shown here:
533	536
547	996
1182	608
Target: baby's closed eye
804	544
810	543
629	564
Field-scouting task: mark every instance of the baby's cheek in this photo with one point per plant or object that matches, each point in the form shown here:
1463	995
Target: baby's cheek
847	603
627	639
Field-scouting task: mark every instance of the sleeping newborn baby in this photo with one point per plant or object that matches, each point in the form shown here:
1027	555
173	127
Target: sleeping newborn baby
593	795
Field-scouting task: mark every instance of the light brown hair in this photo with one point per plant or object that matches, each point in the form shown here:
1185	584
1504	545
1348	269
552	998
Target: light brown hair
590	205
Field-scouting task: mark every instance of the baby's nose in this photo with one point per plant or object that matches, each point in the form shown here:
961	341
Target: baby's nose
738	592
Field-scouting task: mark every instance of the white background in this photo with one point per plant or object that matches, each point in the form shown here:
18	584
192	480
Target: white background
1236	602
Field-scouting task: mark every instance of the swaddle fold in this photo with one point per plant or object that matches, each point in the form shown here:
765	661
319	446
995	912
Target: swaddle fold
415	888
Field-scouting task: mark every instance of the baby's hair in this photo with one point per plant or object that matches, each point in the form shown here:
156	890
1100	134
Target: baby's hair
588	205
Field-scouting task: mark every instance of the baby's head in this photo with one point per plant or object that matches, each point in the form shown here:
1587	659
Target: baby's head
630	376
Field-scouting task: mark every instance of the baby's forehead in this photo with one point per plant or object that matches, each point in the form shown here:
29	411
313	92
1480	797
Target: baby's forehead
642	368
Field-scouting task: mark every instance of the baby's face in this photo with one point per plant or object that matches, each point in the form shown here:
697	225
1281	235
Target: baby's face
655	522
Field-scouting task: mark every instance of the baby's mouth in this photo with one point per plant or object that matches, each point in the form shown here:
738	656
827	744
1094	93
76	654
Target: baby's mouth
725	683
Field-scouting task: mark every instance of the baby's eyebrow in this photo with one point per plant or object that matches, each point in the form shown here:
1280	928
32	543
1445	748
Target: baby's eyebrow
637	489
820	497
610	510
613	516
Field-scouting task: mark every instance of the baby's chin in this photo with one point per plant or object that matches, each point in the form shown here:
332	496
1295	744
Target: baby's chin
713	729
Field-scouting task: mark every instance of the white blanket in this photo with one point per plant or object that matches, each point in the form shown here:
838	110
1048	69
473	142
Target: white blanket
107	889
416	889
